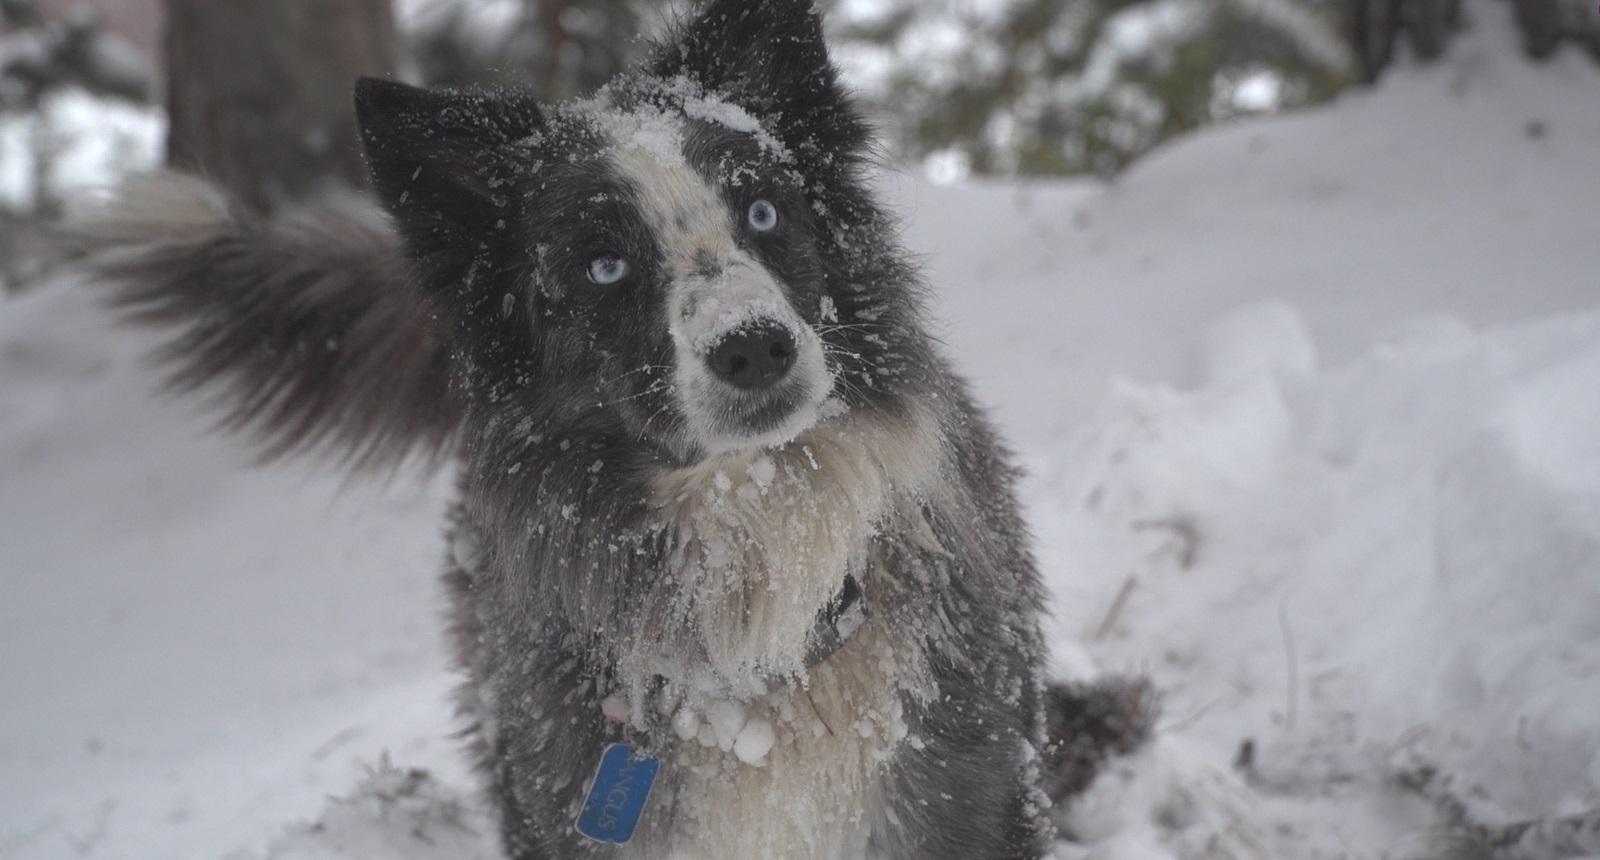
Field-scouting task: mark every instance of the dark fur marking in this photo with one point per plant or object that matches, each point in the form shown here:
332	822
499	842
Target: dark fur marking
706	265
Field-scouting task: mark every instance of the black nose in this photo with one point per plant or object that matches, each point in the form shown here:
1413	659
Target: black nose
754	357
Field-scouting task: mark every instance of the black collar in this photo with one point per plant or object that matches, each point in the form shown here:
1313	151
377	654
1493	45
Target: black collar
837	622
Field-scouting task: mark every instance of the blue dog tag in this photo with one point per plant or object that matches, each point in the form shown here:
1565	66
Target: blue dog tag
622	784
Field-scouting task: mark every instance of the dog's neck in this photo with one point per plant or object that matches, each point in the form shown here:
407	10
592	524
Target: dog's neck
760	545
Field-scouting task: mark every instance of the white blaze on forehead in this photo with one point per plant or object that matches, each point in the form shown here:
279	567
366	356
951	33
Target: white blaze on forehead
693	103
688	217
716	286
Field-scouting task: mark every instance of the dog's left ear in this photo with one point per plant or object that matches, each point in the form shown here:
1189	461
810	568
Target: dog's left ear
769	57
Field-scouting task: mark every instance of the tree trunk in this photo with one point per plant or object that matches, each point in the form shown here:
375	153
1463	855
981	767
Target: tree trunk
259	91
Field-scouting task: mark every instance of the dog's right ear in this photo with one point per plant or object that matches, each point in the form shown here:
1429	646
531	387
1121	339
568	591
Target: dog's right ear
442	161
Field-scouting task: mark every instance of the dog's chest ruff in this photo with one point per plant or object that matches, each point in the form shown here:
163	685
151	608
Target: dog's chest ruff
760	543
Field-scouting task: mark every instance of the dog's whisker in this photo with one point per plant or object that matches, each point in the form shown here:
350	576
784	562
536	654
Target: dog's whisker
649	368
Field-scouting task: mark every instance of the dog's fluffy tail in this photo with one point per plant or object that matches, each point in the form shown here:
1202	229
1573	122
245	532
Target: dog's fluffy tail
305	327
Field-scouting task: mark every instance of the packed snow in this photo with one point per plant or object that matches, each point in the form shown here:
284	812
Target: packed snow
1311	411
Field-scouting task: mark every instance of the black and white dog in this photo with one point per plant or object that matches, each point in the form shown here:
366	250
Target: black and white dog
737	570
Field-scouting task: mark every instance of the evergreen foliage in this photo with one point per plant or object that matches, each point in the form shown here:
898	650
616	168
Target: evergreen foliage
1079	86
562	48
38	55
42	58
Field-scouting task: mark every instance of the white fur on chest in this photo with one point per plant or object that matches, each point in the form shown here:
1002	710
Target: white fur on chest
816	792
761	541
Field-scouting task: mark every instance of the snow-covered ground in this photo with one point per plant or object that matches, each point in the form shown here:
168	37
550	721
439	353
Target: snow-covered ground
1312	412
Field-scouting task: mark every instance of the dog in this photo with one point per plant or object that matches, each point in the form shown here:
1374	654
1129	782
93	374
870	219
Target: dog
737	568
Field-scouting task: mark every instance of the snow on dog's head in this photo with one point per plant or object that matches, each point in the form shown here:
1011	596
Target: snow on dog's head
685	260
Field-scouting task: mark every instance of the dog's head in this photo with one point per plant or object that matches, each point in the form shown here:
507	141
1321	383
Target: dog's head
687	259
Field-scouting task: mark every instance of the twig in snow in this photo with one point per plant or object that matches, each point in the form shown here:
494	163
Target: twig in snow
1117	605
817	713
1184	530
339	739
1192	718
1465	837
1294	667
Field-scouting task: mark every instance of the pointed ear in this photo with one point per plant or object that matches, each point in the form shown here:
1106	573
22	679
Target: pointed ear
440	159
769	57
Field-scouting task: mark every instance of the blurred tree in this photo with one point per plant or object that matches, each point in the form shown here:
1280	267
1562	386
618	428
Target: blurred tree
1374	26
44	61
561	48
259	91
1074	86
39	55
1545	24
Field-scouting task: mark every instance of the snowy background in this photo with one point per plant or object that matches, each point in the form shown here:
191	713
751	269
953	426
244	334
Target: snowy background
1311	409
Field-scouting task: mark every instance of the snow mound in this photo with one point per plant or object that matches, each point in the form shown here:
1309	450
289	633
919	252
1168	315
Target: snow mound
1372	583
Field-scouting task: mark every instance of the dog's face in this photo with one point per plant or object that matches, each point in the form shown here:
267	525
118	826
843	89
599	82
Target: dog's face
677	258
681	258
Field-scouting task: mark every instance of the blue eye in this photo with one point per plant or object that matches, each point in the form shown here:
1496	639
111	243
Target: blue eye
763	216
608	269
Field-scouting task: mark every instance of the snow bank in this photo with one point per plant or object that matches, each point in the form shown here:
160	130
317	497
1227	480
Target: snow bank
196	653
1310	410
1373	576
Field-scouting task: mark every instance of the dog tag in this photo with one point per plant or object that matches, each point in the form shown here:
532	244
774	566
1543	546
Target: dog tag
616	801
